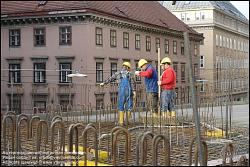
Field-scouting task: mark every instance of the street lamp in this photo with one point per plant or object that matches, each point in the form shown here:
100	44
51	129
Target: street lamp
77	74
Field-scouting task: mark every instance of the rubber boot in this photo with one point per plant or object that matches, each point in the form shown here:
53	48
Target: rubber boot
121	118
129	115
164	114
172	114
155	114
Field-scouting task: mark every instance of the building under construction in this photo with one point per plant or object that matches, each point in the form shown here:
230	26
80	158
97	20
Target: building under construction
48	118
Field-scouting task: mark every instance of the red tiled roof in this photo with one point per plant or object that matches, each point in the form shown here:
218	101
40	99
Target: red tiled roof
149	12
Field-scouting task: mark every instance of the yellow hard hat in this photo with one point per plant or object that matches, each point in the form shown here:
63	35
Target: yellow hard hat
126	64
166	60
142	62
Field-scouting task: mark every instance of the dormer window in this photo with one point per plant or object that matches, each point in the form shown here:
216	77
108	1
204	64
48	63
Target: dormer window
41	3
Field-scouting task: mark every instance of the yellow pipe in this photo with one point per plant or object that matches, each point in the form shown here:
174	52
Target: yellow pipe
215	133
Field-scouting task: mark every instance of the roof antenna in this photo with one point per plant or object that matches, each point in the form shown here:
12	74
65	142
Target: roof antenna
173	2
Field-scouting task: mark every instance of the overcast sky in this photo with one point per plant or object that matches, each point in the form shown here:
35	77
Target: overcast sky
242	6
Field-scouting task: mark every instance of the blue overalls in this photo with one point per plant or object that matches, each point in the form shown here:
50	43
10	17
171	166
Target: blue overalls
126	86
125	94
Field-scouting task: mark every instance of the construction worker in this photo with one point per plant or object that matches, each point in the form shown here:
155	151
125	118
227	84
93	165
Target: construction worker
167	83
151	78
126	90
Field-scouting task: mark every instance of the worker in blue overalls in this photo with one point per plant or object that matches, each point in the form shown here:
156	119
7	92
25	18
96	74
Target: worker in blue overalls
126	90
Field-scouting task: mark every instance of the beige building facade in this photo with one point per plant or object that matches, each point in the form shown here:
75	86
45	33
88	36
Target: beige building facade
224	55
39	49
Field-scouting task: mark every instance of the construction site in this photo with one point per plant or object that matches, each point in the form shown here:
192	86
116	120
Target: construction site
50	119
73	137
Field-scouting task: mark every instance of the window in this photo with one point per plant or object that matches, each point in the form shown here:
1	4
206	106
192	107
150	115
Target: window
184	17
231	45
65	35
227	43
197	15
125	40
166	46
99	101
148	43
40	102
112	38
65	101
188	94
202	42
113	99
40	3
183	72
221	44
216	40
113	68
14	73
98	36
41	105
183	94
202	15
65	69
177	96
39	72
157	44
137	78
174	47
175	66
195	71
224	42
137	41
202	86
201	61
195	49
99	72
14	37
39	36
224	86
15	103
182	48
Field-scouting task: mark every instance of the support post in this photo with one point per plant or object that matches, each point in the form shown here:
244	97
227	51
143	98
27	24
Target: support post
194	104
159	87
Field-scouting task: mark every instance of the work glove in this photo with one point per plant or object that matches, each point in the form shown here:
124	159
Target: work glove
101	84
137	73
159	83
